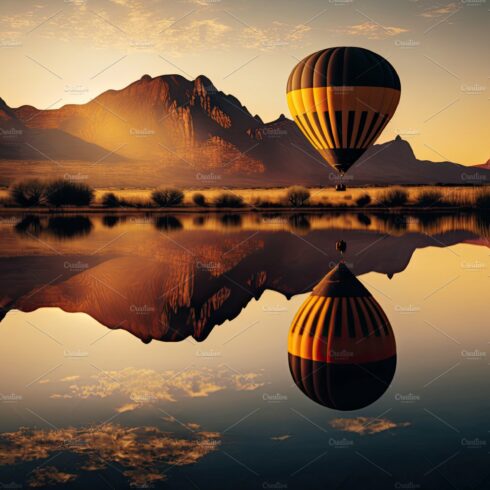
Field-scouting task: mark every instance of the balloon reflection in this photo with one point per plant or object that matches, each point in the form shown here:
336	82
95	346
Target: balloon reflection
341	347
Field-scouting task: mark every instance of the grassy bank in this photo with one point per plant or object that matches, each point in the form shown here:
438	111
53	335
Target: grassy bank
216	199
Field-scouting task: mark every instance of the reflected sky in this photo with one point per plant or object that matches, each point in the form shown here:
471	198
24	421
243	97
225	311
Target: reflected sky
83	404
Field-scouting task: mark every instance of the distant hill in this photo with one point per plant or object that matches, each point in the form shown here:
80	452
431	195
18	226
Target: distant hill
485	165
182	127
22	140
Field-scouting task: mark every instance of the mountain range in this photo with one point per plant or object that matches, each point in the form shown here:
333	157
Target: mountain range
185	128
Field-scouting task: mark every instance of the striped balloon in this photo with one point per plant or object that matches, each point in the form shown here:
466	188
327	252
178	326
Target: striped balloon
341	99
341	347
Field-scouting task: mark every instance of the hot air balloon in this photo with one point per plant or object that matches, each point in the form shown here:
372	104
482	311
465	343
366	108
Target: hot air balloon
341	347
341	99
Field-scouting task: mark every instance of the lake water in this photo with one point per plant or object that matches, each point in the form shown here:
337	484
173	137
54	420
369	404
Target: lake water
152	352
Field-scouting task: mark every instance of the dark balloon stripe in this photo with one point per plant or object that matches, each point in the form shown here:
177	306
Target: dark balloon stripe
304	316
296	321
316	317
329	127
298	121
343	66
327	322
363	319
337	320
372	319
378	321
309	122
370	130
362	123
350	128
338	123
379	312
318	129
386	322
351	325
377	130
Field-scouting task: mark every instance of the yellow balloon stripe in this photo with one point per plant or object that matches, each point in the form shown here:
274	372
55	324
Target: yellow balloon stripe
351	314
312	106
297	109
324	99
308	104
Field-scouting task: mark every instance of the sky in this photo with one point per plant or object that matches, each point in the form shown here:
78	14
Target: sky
58	52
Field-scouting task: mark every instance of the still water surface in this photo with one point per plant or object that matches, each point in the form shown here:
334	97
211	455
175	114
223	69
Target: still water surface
146	352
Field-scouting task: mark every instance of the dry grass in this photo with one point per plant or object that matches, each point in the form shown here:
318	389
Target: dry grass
456	196
269	197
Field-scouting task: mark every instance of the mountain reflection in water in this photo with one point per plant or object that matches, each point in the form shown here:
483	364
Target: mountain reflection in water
167	277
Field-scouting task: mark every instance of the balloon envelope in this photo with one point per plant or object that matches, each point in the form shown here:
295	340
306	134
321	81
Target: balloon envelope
341	99
341	347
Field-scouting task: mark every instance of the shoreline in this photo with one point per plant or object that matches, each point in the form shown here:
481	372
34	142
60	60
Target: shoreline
244	209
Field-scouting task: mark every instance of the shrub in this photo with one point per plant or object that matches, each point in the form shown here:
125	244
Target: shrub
28	192
135	203
110	200
259	202
482	199
199	199
363	200
429	198
231	220
298	196
110	220
29	225
60	192
299	222
363	219
168	223
60	227
64	227
393	197
394	222
228	200
199	220
167	197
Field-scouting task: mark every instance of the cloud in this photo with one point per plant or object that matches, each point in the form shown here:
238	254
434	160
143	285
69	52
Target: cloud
70	378
147	385
125	24
441	11
280	438
209	435
276	35
204	3
365	425
133	25
371	30
49	476
24	20
125	3
140	451
127	407
246	381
